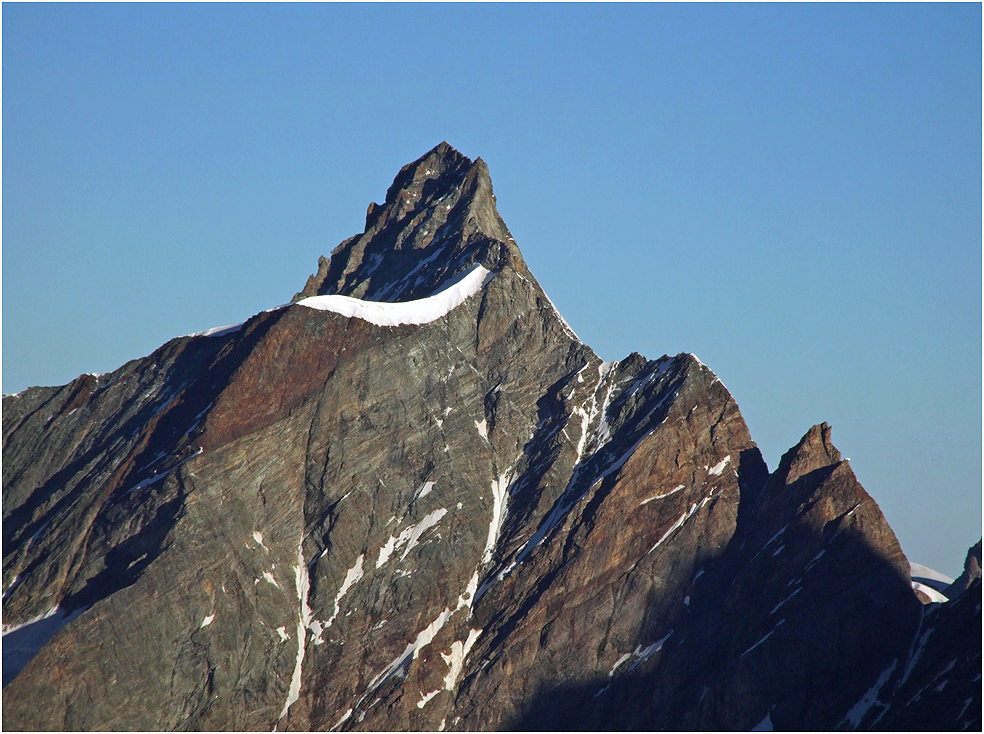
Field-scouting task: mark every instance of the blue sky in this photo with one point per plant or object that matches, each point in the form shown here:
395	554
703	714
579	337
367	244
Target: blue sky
793	193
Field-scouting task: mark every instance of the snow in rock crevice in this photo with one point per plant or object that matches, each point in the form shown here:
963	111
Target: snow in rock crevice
661	496
409	537
870	698
766	637
302	583
352	576
719	467
640	654
500	492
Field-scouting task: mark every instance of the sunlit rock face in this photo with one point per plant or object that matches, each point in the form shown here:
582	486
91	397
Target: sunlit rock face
414	500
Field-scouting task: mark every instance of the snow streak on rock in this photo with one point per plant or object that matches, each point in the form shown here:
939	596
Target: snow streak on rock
640	654
456	660
302	585
351	577
409	537
500	489
719	467
694	509
858	711
423	638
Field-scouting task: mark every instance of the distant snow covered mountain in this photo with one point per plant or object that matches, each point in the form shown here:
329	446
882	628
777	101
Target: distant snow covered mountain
932	584
413	499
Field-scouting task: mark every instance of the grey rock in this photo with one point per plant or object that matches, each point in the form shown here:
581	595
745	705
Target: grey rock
315	522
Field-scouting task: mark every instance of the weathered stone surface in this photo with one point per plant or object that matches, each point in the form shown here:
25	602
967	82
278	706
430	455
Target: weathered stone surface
813	595
438	218
316	522
807	593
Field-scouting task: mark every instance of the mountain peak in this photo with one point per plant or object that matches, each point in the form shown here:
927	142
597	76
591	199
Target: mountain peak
438	218
814	451
971	572
447	514
441	164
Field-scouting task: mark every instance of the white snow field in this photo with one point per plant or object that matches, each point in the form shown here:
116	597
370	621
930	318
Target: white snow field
421	311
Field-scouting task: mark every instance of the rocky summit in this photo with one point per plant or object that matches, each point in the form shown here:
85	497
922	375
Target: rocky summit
413	499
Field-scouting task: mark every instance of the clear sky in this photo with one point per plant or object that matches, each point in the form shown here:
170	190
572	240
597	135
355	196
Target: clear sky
793	193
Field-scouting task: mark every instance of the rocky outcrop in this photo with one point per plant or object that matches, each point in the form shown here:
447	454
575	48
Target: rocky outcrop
810	593
439	217
470	521
971	573
814	574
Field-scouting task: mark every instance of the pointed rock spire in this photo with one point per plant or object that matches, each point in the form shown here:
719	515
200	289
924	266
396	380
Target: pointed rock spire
814	451
813	484
438	218
971	572
442	164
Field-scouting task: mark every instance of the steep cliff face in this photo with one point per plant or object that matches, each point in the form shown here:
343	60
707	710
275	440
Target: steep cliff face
814	574
438	218
413	499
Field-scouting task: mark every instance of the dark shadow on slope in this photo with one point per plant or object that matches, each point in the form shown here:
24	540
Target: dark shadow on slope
798	633
941	690
126	561
22	644
614	702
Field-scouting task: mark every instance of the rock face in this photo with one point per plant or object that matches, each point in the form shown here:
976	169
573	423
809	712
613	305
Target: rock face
936	685
318	521
971	573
